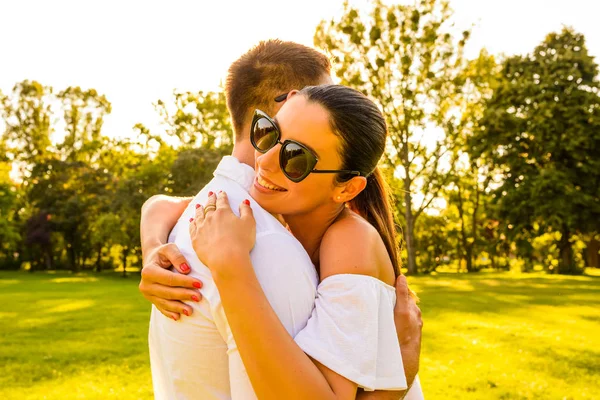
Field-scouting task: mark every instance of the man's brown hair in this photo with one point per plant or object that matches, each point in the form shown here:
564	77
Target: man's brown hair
271	68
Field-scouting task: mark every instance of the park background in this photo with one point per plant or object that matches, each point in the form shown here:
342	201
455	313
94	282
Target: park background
493	110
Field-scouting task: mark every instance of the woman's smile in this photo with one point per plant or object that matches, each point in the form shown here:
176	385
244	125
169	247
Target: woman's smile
263	185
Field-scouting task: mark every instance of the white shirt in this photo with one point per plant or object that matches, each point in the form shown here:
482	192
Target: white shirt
196	357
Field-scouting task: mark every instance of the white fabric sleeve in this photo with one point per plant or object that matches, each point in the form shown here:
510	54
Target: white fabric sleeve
415	392
351	331
289	281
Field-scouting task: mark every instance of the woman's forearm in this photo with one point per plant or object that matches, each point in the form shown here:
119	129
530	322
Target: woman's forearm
381	395
276	365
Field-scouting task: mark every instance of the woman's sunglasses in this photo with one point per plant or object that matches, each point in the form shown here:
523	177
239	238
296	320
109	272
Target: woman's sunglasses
295	159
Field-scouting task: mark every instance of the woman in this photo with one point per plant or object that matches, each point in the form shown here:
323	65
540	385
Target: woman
316	166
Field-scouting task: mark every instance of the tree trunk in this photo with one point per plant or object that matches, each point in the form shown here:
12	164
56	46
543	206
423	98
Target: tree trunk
72	258
125	253
48	258
99	259
469	258
566	264
593	260
410	235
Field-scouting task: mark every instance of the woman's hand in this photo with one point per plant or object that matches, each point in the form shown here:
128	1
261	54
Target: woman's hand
219	237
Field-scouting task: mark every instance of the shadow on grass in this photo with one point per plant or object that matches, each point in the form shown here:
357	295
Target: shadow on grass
498	294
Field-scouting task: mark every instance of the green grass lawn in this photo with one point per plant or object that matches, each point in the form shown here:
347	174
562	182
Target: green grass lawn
486	336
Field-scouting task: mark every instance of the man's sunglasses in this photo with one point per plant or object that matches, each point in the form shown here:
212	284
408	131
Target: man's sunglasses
295	159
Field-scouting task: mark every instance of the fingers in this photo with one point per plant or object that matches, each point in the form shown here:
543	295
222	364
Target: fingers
171	308
170	255
199	216
222	201
246	210
165	277
173	293
168	314
401	292
211	205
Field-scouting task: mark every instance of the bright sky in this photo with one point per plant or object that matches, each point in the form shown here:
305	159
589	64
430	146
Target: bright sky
136	52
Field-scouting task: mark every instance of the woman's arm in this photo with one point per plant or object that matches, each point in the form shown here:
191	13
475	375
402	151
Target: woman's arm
276	365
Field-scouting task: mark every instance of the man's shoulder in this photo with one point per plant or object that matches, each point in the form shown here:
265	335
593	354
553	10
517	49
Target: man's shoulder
280	254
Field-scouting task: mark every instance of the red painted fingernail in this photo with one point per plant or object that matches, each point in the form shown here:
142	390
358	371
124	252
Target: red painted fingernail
184	267
186	312
197	205
220	191
174	319
210	194
247	202
195	298
197	285
191	219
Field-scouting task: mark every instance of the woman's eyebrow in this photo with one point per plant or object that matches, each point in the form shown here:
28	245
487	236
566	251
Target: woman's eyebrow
299	141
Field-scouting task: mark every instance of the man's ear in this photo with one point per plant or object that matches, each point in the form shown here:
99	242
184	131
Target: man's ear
292	93
281	100
348	190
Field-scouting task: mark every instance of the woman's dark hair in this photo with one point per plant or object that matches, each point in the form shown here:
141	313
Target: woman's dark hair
363	132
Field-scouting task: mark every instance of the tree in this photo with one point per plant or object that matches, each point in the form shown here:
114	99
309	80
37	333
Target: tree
405	58
38	234
83	113
27	117
9	206
201	124
541	128
198	119
468	191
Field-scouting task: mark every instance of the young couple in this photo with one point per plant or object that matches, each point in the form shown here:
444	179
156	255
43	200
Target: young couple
285	263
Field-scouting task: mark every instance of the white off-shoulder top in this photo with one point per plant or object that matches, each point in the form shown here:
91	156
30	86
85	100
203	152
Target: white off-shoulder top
351	331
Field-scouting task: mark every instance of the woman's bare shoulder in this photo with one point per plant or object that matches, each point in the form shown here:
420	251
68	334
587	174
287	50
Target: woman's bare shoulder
352	246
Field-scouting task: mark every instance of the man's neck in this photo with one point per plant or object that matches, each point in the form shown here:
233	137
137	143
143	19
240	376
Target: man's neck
244	152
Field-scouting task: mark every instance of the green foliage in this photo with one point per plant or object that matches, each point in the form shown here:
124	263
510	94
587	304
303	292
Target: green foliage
198	119
541	129
10	235
490	165
27	116
84	112
80	198
192	169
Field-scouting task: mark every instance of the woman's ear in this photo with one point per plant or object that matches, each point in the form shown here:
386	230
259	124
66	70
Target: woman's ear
348	190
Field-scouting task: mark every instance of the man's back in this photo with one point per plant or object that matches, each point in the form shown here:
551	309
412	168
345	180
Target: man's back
196	357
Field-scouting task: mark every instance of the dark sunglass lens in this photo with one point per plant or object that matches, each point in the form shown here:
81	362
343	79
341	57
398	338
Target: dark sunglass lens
264	134
296	161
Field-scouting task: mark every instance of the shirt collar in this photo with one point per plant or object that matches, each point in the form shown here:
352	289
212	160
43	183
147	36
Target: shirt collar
231	168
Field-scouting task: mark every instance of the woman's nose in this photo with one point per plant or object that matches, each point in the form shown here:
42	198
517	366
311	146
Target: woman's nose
269	161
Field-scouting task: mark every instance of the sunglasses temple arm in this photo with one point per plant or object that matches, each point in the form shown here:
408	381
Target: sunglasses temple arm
335	171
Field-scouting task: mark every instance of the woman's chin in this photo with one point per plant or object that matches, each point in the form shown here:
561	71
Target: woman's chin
268	201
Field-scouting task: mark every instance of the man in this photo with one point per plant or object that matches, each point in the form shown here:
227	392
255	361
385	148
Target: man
195	356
